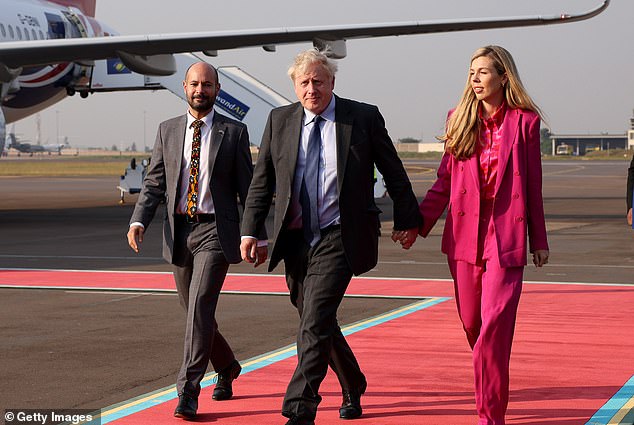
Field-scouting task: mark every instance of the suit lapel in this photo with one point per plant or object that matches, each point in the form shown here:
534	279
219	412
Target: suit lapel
473	164
176	153
291	137
343	128
218	129
510	127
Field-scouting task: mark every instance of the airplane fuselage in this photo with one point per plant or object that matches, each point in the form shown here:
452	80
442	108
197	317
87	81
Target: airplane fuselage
37	88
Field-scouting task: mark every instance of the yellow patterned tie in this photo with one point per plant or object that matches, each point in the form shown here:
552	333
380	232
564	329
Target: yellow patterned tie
192	187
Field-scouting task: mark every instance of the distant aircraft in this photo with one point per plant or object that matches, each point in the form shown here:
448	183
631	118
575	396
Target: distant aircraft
48	49
32	148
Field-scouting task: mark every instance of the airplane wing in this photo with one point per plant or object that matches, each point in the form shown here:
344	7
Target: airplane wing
151	54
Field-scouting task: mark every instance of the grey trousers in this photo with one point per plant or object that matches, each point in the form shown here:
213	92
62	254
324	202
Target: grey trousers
317	279
199	277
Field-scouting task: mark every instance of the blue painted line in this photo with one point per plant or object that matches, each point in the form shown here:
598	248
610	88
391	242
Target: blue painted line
614	405
149	400
395	314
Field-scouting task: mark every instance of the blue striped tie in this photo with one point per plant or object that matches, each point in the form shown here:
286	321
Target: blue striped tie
310	184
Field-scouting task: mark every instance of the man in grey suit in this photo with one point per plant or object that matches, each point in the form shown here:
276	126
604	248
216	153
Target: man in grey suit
200	165
318	155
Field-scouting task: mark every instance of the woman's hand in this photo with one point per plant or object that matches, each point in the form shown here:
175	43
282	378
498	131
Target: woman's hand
540	257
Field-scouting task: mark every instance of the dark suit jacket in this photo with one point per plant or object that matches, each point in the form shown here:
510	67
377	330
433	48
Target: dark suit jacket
231	172
630	184
362	141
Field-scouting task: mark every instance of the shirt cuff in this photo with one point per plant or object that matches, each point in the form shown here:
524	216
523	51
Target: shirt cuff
138	223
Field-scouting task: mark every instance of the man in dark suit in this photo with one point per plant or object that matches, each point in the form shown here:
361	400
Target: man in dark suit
628	193
200	165
318	155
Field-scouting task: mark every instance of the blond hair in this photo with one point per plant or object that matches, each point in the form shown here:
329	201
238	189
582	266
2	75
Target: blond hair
308	57
462	130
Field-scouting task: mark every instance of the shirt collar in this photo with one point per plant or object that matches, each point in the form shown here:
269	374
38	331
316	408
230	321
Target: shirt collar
328	114
207	119
497	118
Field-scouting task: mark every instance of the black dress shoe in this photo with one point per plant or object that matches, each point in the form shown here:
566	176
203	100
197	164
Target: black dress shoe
187	407
224	387
296	420
351	406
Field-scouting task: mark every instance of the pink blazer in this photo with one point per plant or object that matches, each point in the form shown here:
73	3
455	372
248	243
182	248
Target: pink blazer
518	208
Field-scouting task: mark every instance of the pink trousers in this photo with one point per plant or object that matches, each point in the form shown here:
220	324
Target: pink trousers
487	297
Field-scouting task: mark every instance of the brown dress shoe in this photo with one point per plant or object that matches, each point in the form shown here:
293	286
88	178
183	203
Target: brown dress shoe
224	387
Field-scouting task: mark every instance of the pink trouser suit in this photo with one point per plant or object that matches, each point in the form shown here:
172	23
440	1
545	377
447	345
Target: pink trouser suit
487	270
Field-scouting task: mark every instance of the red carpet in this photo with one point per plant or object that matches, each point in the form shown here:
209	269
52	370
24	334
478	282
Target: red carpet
573	351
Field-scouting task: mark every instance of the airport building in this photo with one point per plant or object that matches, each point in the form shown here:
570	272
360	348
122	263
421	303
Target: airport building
580	144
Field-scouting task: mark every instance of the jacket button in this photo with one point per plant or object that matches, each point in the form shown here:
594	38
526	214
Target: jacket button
460	213
463	191
516	195
517	173
520	219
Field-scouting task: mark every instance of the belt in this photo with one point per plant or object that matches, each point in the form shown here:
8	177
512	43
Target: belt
324	231
198	218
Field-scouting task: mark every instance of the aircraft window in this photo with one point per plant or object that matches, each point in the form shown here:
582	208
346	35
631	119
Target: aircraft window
56	28
4	33
18	32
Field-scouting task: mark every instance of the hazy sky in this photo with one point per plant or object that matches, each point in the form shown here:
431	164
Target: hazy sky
581	74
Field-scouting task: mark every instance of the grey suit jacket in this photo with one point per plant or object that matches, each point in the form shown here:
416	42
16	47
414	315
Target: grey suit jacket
231	172
362	141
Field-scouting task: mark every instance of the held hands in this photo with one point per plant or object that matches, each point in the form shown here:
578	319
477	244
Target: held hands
405	237
135	237
629	216
540	257
252	253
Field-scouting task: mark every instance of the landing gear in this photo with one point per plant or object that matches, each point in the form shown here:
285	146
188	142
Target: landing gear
71	91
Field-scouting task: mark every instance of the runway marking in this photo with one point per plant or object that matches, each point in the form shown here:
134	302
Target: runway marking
137	404
401	262
19	284
551	265
80	257
618	409
565	170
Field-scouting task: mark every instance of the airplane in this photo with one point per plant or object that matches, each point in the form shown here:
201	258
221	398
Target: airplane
49	48
32	148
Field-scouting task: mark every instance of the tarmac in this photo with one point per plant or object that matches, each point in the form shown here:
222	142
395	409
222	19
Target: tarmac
79	348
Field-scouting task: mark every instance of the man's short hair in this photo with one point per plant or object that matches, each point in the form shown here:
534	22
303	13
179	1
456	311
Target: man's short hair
310	56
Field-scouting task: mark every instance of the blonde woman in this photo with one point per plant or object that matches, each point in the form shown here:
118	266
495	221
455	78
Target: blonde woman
490	180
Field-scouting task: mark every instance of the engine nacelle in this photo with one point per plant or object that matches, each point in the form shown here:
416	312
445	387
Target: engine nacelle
161	65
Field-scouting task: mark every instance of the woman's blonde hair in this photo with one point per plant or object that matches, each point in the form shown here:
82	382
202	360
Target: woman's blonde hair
462	130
